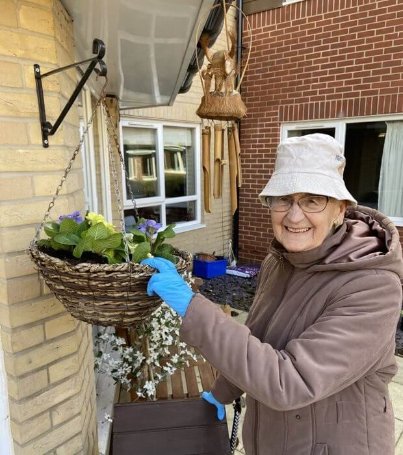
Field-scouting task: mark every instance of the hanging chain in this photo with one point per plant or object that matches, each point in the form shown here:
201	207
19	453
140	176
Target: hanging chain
73	157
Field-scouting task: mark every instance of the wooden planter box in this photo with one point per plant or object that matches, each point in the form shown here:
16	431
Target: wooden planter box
169	427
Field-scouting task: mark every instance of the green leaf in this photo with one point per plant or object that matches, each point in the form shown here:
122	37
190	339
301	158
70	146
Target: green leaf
138	236
59	246
68	226
169	232
141	251
51	228
113	241
83	245
67	239
164	249
45	242
111	257
83	226
98	232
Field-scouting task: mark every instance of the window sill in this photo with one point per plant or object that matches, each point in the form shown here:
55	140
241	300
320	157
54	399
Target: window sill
188	227
398	221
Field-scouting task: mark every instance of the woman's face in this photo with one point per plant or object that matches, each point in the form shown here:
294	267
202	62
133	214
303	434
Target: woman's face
299	231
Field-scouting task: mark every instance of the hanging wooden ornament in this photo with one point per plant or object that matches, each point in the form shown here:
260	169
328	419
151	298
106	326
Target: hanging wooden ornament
235	131
218	160
206	138
233	169
221	99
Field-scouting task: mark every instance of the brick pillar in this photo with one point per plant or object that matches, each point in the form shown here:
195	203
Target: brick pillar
48	364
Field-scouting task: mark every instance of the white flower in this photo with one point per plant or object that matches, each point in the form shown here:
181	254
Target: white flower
128	365
108	418
149	388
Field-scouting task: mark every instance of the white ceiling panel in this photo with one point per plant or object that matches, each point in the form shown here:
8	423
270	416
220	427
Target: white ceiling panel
149	44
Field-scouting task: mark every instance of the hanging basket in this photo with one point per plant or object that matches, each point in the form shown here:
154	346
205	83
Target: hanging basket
102	294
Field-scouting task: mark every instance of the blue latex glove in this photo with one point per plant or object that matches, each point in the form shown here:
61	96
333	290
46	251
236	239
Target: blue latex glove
209	397
168	285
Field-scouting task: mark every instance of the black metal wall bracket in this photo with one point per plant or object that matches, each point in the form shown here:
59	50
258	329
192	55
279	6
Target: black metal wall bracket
98	48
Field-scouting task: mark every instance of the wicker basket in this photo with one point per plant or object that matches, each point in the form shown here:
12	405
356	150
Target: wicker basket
102	294
217	107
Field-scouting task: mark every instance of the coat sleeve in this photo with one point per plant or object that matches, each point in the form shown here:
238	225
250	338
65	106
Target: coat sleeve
223	389
345	342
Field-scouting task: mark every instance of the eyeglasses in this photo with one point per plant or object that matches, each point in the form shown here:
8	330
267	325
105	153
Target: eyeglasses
308	204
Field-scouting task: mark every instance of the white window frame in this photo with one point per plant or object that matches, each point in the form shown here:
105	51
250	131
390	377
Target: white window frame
161	200
289	2
340	133
88	154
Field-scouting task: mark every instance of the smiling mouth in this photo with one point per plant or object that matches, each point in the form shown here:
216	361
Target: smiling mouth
297	230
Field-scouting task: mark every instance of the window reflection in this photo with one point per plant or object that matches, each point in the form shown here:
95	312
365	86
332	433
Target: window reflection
141	162
178	162
180	212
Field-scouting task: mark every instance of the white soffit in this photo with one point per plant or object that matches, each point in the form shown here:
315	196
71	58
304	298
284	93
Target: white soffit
149	44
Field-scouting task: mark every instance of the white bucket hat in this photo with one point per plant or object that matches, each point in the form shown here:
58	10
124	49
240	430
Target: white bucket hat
309	164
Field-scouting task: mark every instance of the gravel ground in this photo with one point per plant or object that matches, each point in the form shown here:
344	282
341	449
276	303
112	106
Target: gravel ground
231	290
238	293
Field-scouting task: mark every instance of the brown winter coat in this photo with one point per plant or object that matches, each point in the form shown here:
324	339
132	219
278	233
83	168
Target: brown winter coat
317	351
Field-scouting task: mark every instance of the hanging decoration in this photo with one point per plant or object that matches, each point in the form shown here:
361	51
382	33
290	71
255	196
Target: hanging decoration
219	162
220	101
206	139
222	106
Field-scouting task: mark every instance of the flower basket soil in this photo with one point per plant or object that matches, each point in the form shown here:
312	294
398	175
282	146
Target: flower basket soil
102	294
169	427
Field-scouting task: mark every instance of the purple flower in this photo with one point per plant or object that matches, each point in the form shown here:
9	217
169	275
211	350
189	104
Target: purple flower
76	216
142	227
149	227
153	225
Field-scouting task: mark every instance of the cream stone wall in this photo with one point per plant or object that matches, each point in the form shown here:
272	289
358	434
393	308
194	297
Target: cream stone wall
47	355
217	230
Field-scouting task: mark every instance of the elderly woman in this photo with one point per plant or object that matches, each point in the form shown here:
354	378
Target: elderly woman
317	351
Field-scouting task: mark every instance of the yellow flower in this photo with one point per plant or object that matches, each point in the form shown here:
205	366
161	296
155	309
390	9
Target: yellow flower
95	218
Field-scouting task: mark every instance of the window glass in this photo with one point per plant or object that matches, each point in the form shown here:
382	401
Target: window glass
163	169
363	151
140	150
181	212
304	132
149	213
178	162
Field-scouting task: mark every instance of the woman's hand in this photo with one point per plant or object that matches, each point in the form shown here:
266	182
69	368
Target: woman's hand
209	397
168	285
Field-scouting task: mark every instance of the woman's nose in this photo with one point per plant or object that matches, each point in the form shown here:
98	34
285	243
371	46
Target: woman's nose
295	214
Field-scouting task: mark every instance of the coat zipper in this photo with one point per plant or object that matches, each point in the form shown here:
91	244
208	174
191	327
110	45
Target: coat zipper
257	428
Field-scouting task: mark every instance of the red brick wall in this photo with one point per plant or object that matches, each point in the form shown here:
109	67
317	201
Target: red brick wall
312	60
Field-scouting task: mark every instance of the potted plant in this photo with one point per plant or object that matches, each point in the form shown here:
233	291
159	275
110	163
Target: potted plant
95	270
93	238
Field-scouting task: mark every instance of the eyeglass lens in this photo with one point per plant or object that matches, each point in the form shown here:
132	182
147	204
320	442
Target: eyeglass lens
310	204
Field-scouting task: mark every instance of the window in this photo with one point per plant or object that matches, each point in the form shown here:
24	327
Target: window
374	159
162	165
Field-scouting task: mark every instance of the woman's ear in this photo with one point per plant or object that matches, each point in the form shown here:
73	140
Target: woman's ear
340	212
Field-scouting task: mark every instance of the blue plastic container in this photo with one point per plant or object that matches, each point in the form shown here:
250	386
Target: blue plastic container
209	269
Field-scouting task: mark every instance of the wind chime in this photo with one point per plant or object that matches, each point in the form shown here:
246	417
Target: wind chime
222	107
